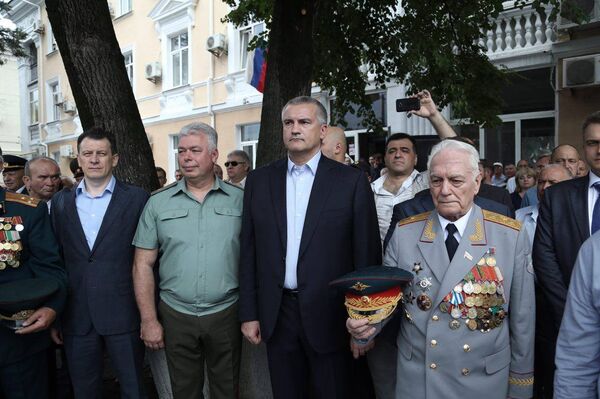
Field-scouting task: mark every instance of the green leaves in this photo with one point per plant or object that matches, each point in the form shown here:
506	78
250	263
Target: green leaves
10	39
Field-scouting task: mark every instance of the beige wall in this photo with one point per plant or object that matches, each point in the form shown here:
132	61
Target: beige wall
10	113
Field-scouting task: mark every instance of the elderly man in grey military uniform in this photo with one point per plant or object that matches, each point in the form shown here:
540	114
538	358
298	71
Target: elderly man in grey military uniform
468	322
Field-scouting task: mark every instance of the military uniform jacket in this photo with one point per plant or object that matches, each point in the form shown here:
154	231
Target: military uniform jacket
468	325
38	257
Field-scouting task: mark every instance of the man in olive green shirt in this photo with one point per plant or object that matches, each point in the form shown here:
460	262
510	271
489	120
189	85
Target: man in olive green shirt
193	228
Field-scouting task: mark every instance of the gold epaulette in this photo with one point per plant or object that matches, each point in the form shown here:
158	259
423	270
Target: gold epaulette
501	219
22	199
412	219
160	190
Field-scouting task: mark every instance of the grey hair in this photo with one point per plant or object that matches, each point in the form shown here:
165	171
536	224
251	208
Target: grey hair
28	164
473	154
242	154
558	166
321	111
196	128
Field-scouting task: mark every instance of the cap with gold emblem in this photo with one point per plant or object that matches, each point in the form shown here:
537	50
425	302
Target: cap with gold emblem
373	292
19	299
13	162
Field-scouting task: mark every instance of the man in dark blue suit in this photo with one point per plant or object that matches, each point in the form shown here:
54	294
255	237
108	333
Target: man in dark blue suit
569	213
307	220
94	224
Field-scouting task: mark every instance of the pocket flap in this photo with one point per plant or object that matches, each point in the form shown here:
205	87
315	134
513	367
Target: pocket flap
228	211
173	214
497	361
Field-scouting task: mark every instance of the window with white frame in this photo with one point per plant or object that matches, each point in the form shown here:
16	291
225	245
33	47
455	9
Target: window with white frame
249	140
174	152
128	57
52	46
54	99
34	106
123	6
178	59
246	34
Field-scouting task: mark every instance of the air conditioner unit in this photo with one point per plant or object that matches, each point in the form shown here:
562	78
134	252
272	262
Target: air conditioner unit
66	150
37	27
217	44
153	72
57	99
581	71
68	107
569	8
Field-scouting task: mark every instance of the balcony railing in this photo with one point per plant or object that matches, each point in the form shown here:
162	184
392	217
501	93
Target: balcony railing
519	31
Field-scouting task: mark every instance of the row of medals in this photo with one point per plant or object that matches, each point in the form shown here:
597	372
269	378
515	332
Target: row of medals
10	244
478	299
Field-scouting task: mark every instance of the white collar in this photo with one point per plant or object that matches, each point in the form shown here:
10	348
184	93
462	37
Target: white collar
593	179
312	164
460	223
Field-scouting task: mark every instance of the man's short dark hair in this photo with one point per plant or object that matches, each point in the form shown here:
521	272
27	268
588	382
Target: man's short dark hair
159	169
594	118
402	136
98	133
321	111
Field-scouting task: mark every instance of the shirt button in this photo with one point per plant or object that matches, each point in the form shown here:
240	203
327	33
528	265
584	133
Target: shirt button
466	371
433	366
466	348
435	317
433	343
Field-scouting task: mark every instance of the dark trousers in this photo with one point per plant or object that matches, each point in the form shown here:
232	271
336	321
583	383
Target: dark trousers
191	340
297	371
85	362
25	379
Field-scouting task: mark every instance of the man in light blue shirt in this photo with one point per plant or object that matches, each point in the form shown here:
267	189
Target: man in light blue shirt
578	346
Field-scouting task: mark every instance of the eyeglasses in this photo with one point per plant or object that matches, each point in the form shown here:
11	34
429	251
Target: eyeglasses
233	164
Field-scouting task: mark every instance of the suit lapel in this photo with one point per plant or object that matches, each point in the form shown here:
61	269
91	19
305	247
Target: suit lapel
113	212
71	213
278	198
432	247
472	246
318	198
578	199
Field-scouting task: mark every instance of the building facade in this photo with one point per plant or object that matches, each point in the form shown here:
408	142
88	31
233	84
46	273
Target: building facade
186	65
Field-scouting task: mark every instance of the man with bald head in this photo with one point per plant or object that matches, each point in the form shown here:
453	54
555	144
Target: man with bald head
567	156
42	178
334	145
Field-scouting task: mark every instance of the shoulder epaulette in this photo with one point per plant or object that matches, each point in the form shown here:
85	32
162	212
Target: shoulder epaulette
233	185
416	218
22	199
160	190
501	219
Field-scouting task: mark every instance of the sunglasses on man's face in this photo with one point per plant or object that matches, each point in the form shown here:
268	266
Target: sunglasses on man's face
233	164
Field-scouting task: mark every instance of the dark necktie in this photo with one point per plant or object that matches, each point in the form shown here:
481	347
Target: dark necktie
596	212
451	243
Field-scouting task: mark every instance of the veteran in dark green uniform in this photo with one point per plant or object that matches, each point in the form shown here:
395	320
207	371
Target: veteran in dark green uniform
27	251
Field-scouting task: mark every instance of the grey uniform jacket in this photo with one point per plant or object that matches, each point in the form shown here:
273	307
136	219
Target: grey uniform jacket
441	355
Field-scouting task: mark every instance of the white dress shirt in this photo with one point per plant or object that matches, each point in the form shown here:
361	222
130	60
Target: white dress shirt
592	197
460	223
299	181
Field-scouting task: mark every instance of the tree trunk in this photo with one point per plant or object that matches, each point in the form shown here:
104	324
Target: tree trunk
289	71
96	70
